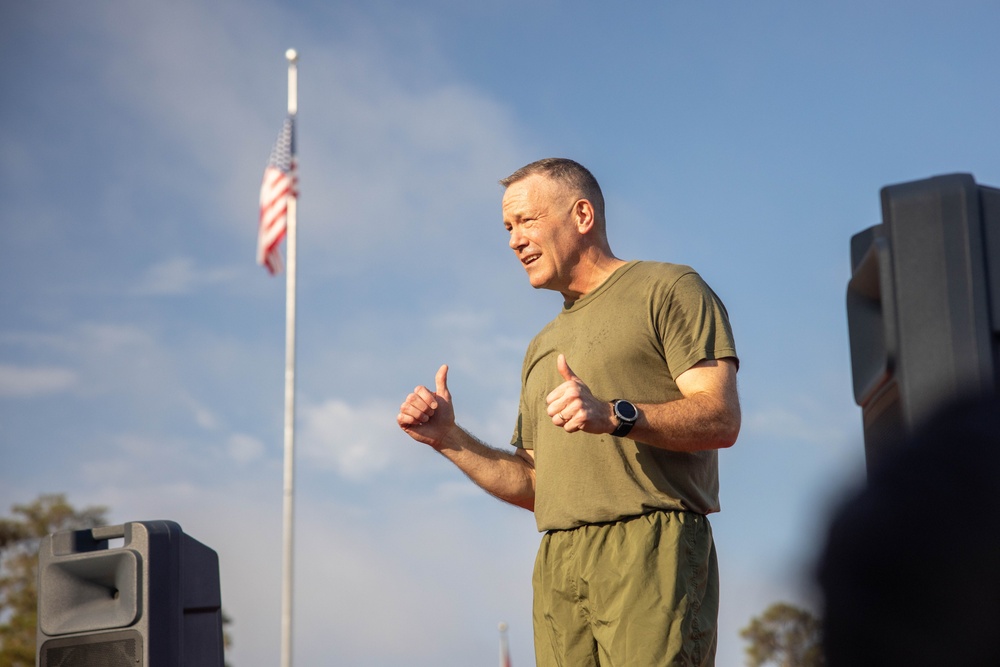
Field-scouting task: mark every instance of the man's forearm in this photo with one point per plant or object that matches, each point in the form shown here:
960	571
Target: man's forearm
504	475
707	417
695	423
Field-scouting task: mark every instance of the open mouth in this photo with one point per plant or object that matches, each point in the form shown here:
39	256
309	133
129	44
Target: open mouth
530	259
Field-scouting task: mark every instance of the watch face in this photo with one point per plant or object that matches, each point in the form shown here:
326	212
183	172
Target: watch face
626	411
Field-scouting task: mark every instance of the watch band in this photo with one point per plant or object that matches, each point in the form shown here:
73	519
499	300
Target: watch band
622	430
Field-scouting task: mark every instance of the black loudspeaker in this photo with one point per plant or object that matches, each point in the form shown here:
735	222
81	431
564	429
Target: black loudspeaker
154	601
923	305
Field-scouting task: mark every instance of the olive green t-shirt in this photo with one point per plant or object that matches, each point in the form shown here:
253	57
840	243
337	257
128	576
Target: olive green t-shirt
629	338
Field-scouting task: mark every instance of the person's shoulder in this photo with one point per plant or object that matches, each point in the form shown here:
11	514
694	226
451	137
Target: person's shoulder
659	271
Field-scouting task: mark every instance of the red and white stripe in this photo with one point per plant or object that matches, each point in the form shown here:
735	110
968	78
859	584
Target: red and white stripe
275	191
280	185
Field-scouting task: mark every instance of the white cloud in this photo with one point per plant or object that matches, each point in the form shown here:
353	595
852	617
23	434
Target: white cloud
107	339
355	439
245	448
205	418
31	382
179	275
113	357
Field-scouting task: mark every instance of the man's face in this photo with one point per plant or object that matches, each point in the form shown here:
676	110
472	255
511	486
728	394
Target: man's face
537	213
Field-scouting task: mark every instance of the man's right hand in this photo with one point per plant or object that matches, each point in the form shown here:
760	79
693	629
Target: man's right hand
428	416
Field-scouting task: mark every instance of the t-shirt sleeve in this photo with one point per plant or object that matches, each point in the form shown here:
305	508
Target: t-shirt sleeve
694	325
524	437
518	439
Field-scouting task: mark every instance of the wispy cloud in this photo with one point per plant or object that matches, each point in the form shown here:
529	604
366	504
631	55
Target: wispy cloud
181	275
245	448
355	439
30	382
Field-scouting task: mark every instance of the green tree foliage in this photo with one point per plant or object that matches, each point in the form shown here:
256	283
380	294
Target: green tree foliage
20	536
784	636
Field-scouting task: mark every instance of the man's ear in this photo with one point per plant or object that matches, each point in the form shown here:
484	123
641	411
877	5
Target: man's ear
583	216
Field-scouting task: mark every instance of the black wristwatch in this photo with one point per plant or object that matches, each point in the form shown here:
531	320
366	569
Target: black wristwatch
626	413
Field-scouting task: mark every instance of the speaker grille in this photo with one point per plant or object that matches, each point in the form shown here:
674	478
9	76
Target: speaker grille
110	649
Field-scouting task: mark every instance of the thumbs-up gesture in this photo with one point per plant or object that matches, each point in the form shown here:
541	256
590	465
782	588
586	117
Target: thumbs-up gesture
573	407
428	416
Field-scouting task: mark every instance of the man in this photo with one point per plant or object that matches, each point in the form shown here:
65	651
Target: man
626	397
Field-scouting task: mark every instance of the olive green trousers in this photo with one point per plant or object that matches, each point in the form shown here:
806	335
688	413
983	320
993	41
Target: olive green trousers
639	592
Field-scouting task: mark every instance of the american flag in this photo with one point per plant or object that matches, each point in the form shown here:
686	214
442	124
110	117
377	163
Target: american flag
280	184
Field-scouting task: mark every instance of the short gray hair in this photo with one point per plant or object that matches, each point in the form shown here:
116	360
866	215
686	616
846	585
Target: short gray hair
568	172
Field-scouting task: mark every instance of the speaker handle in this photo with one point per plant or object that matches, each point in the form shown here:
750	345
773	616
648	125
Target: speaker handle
104	533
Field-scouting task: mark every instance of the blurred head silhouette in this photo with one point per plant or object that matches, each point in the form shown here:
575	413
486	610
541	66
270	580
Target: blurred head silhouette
911	568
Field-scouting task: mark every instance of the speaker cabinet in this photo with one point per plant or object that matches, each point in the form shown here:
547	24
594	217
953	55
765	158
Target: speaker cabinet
152	601
923	305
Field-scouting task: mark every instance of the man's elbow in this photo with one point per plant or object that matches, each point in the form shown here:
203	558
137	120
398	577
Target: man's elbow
526	503
729	429
727	440
524	500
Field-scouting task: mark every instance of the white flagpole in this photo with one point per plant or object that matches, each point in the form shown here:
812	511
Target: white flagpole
289	487
504	648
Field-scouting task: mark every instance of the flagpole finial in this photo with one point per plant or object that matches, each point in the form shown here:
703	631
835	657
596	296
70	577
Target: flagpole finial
293	81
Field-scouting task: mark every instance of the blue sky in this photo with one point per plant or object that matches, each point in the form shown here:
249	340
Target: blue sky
142	350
